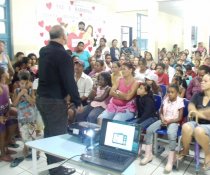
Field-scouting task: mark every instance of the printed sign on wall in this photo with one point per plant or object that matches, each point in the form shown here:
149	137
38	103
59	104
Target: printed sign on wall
83	21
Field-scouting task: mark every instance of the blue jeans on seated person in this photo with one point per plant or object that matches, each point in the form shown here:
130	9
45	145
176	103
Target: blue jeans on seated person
121	116
171	131
89	114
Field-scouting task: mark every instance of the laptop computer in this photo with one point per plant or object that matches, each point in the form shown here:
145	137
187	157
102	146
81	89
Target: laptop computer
118	145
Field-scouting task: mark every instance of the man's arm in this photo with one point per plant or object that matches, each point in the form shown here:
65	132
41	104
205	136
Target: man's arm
66	69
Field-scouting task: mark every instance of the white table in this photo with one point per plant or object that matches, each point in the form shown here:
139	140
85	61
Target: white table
66	146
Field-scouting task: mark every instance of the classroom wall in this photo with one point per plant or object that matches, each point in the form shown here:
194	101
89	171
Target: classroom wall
169	30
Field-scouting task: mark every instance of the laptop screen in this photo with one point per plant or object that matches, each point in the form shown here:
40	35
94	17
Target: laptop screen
120	135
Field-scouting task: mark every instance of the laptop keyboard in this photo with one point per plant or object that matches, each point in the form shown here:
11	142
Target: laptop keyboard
113	157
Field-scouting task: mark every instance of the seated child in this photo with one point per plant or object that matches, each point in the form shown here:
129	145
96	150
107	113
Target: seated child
171	114
24	100
100	99
145	106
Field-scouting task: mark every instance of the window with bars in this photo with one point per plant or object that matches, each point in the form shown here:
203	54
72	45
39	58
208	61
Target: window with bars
142	31
5	33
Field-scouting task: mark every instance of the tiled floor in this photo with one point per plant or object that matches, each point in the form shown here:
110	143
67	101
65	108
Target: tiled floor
156	167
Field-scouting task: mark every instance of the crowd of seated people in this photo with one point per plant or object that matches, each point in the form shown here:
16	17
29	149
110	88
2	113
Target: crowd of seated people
120	84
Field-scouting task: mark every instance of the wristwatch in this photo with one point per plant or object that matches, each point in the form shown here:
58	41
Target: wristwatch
117	92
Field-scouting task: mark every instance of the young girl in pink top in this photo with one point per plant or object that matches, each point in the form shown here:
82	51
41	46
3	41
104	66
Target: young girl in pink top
170	115
99	99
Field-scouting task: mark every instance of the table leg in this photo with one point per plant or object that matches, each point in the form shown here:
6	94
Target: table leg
34	160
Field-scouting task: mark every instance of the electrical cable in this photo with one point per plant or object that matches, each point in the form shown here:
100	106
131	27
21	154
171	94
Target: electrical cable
63	163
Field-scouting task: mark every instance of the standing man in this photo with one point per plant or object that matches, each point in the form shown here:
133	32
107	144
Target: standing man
56	85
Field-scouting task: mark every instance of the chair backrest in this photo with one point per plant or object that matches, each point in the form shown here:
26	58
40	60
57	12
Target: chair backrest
185	112
164	90
158	102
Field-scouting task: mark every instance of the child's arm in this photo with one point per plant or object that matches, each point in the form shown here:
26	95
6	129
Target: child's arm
176	120
30	98
104	95
92	94
16	97
162	117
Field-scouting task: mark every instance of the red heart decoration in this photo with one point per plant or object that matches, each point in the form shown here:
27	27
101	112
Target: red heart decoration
46	42
49	5
59	20
93	8
41	34
90	49
71	2
99	30
80	14
41	23
97	36
48	28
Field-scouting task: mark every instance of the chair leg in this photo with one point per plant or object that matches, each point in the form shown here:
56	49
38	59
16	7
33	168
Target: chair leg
155	143
179	149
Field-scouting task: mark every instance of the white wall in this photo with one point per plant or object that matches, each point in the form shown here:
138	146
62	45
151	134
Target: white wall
24	35
170	31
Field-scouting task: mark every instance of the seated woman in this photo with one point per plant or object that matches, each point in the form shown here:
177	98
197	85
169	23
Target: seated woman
122	104
171	114
116	73
98	68
199	106
100	99
142	71
145	106
195	84
181	83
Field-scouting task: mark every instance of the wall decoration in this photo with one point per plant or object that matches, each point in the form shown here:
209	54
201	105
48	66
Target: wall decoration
69	14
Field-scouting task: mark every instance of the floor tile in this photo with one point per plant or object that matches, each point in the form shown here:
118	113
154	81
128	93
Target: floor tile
27	164
3	163
7	170
191	170
160	171
25	173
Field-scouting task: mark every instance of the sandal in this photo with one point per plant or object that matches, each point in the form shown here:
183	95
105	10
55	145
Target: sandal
13	145
16	162
181	156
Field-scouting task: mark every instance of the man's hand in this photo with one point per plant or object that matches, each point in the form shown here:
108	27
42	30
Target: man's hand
80	109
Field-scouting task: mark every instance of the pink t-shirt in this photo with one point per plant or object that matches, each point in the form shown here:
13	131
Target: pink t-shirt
171	109
118	105
99	93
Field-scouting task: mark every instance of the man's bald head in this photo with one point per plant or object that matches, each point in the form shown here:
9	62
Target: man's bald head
56	32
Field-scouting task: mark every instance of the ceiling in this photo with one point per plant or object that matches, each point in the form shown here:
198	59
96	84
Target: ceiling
173	7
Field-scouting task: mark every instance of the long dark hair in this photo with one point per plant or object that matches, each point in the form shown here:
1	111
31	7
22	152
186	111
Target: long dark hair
147	89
